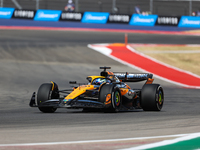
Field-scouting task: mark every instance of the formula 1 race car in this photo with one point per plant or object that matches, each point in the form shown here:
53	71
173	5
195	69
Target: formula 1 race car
108	92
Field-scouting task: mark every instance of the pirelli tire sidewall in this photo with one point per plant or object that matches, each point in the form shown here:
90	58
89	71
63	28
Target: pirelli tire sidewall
45	93
152	97
104	91
115	93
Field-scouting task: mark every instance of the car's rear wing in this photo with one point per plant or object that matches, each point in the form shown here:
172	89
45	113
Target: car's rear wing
133	77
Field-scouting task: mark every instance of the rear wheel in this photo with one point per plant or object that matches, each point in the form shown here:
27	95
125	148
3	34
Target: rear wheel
152	97
110	95
45	92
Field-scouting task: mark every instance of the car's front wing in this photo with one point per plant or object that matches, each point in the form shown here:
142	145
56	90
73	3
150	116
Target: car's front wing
58	103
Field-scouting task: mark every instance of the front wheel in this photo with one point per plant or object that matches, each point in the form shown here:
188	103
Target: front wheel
110	95
46	92
152	97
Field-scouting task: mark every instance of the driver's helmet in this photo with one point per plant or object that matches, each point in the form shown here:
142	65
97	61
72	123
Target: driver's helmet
99	81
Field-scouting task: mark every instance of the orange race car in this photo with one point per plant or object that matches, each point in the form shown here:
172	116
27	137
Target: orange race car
108	92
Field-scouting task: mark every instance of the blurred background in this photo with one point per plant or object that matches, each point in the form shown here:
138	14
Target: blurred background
159	7
39	45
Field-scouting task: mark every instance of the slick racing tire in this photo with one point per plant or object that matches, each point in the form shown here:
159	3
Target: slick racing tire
45	93
110	95
152	97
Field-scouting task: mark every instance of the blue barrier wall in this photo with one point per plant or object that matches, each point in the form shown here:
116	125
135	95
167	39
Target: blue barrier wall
6	13
187	21
95	17
47	15
143	20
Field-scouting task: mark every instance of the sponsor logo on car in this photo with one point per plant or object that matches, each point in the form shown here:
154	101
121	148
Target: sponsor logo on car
131	76
137	76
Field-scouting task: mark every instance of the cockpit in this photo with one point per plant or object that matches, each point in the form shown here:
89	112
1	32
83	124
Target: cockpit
99	81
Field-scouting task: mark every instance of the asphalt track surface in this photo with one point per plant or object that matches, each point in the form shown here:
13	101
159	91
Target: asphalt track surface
30	58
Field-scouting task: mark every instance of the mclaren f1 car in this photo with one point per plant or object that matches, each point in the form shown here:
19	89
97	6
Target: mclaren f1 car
108	92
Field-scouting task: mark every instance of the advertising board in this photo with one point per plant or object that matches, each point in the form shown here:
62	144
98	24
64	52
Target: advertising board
117	18
47	15
143	20
95	17
71	16
188	21
168	20
6	13
24	14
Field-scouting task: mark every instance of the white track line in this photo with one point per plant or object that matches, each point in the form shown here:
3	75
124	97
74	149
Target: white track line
166	142
92	141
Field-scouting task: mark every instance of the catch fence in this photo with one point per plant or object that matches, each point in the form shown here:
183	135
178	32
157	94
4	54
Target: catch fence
160	7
